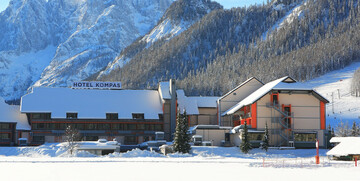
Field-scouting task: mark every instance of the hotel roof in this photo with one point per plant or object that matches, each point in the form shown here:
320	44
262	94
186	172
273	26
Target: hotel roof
91	103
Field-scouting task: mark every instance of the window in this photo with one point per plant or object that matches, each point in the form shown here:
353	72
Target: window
149	127
138	116
130	140
4	126
38	138
236	117
131	126
4	136
112	116
79	126
275	98
305	137
256	136
91	138
61	126
116	126
149	138
41	116
140	126
38	126
90	126
158	127
103	126
71	115
161	117
287	111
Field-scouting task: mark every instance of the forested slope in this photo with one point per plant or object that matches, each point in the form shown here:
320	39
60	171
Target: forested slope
303	39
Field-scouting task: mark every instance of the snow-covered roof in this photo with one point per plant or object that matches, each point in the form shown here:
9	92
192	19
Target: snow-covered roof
347	146
209	102
12	114
284	83
211	127
192	104
254	96
92	104
242	84
338	139
186	103
164	88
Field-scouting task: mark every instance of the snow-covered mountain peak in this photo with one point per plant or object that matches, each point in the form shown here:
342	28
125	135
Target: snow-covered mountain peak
178	17
81	37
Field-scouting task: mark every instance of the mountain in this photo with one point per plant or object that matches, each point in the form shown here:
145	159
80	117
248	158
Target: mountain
55	42
178	17
216	34
207	49
303	39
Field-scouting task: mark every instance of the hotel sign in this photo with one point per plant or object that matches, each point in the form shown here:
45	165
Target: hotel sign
96	85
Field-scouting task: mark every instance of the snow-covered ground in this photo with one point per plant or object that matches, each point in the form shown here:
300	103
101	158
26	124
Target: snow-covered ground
51	162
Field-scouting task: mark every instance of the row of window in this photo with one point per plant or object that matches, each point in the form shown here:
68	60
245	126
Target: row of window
109	116
300	137
4	126
4	136
305	137
93	126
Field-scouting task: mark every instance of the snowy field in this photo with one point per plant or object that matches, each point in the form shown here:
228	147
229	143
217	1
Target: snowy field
51	162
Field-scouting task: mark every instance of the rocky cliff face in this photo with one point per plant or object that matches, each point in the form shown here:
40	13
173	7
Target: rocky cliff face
177	18
55	42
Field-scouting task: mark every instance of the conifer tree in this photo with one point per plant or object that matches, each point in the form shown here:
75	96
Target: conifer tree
245	145
182	138
265	140
332	132
354	130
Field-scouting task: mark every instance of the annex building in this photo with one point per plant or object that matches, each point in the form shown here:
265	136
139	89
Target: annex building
295	114
13	124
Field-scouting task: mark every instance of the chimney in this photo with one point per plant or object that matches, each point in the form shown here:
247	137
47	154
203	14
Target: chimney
172	107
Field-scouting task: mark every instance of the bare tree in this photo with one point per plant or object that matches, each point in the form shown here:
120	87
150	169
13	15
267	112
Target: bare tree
343	129
72	135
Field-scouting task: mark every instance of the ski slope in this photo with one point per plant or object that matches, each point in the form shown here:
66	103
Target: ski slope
335	86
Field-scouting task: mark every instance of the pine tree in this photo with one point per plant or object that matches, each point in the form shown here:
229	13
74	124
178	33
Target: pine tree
245	145
182	138
265	140
354	130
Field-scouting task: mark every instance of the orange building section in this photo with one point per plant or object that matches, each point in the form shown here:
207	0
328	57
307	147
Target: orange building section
322	115
253	115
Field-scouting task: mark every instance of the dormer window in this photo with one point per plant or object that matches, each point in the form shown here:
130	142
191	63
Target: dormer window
112	116
71	115
138	116
161	117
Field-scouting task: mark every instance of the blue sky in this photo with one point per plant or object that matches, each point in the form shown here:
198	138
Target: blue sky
226	3
238	3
